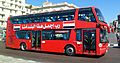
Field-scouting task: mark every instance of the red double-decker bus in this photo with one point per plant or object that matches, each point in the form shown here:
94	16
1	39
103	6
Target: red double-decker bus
74	31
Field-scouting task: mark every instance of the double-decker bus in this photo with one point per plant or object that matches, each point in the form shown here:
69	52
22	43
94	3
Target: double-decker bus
74	31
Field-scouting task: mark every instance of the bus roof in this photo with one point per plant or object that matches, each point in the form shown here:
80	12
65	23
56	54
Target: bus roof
42	14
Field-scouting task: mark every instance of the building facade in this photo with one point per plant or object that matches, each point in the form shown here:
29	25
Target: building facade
12	8
49	7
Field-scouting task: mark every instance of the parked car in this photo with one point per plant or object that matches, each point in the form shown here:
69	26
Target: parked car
118	38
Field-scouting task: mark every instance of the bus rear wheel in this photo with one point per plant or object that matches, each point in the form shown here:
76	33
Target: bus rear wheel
69	50
23	46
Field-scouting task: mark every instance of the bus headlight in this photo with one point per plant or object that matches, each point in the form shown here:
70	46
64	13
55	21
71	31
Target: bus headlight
106	51
79	42
100	45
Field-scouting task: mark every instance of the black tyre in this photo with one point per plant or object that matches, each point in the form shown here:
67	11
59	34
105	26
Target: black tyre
69	50
119	44
23	46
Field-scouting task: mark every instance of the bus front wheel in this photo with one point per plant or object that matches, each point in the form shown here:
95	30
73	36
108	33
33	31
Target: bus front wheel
69	50
119	44
23	46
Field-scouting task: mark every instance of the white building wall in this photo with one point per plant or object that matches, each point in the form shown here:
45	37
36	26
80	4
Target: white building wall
11	8
48	7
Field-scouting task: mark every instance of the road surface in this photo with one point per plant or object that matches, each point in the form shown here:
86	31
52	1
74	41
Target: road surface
113	56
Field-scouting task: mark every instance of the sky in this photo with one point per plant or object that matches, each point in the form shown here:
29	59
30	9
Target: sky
109	8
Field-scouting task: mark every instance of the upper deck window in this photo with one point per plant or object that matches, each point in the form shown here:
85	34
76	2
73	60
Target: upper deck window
65	15
99	14
103	35
86	14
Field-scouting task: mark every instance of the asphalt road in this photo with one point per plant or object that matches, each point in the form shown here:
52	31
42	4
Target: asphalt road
113	56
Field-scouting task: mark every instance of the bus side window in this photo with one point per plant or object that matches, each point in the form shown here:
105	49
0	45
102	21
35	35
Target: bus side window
20	22
27	35
15	22
86	15
32	19
47	34
62	18
82	17
29	21
58	18
78	35
43	19
70	17
39	20
92	18
23	34
53	18
48	19
25	21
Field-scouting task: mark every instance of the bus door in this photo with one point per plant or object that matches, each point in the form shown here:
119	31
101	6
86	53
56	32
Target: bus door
36	39
89	41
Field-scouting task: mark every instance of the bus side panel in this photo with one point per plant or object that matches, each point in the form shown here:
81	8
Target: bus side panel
83	24
13	42
53	45
58	45
9	35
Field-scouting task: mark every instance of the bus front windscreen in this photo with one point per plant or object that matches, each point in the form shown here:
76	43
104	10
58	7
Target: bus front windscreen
99	14
103	36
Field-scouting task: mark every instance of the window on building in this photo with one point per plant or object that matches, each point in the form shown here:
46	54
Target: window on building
2	9
16	0
20	7
15	12
1	22
19	1
23	12
3	16
3	3
16	6
11	4
0	16
10	11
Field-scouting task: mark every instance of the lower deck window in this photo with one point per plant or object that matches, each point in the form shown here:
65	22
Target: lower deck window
23	34
55	34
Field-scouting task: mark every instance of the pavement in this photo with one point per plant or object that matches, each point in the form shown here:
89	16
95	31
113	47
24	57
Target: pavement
112	40
9	59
